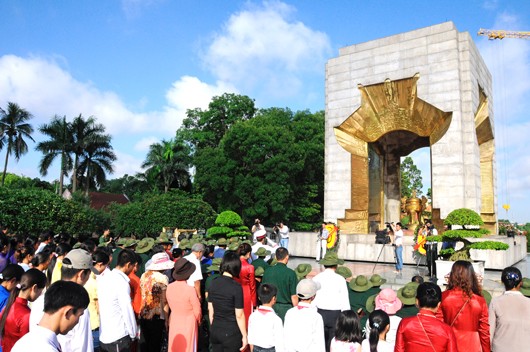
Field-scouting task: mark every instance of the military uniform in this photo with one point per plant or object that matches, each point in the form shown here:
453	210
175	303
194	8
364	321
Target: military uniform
285	281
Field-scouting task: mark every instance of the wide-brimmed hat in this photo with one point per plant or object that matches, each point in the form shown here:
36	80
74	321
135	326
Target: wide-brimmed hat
302	270
360	284
262	252
376	280
160	261
307	288
233	246
370	303
259	271
216	263
330	259
222	241
388	301
79	259
233	239
407	293
525	287
344	271
184	244
183	269
145	245
129	242
260	234
163	239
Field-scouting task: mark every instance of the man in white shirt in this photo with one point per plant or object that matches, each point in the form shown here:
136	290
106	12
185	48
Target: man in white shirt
261	240
117	320
64	304
332	298
284	235
194	257
76	267
322	242
398	243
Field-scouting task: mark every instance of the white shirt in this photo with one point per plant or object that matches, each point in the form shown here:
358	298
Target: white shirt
398	237
116	314
79	339
382	346
258	233
40	247
304	329
37	311
284	231
265	329
333	293
257	246
38	339
197	274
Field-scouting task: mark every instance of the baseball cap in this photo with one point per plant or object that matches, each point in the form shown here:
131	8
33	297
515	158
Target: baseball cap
79	259
307	288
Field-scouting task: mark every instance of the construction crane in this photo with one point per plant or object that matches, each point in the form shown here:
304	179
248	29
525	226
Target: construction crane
501	34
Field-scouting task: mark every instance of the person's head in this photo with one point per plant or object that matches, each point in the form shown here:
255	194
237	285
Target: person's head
398	226
379	323
11	276
244	250
64	303
4	243
26	254
348	327
418	279
282	255
306	289
101	260
41	260
77	265
177	253
512	278
463	276
267	294
182	269
230	264
46	237
126	261
88	245
198	250
428	295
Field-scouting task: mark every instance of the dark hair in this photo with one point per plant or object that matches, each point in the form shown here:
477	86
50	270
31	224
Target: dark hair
139	259
65	293
45	236
463	276
378	321
88	245
267	292
157	248
107	250
244	249
40	258
28	279
23	252
511	277
11	271
126	256
29	242
230	264
62	249
418	279
281	253
177	253
429	295
100	256
348	327
69	273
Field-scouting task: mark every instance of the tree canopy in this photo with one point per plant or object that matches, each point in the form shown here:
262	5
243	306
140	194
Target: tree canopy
411	179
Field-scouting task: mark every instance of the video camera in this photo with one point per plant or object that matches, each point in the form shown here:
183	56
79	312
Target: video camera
382	237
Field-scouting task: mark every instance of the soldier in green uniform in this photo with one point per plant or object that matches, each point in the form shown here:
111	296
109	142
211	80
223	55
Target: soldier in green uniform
302	270
407	296
360	289
260	262
142	249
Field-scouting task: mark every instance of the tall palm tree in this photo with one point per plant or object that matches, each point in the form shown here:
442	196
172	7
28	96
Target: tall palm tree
85	133
13	129
96	160
170	161
59	144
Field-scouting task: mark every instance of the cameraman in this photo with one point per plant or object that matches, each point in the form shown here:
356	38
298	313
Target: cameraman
258	230
397	241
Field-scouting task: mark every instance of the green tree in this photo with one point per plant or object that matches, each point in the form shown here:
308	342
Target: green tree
59	145
169	161
14	128
87	135
133	186
411	179
95	162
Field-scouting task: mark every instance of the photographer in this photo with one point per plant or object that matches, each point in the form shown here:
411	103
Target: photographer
397	241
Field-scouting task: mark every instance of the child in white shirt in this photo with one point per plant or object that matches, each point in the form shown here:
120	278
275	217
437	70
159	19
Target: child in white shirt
265	329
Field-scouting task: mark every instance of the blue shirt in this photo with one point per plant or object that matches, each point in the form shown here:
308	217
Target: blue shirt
4	296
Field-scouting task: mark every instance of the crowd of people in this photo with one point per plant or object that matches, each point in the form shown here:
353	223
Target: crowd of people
198	294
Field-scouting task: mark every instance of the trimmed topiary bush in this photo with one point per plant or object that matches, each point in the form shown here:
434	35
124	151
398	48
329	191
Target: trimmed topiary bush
229	218
218	231
463	217
228	224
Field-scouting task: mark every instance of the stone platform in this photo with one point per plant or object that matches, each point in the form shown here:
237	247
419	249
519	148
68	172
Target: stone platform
362	247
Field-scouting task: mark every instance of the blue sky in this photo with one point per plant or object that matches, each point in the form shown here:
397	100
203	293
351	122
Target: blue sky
137	65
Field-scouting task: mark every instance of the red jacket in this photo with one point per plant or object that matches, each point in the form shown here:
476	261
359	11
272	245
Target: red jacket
17	323
424	332
248	283
470	323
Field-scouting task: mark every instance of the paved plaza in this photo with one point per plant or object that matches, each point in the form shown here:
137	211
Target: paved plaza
491	282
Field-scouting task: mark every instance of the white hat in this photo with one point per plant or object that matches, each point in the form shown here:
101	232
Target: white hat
307	288
160	261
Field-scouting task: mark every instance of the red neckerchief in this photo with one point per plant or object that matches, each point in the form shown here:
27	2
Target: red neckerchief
265	310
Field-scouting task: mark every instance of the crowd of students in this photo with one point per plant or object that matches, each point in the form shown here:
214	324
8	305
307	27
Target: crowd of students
57	294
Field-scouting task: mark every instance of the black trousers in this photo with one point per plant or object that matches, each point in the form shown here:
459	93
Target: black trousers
121	345
225	337
152	334
432	255
329	317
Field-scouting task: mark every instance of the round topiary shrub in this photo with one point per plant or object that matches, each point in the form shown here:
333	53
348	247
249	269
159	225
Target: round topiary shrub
229	218
463	217
218	231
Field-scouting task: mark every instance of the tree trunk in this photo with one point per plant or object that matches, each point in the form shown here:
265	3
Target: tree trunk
5	167
74	177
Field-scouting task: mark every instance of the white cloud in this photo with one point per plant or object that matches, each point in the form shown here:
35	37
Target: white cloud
125	164
143	144
262	46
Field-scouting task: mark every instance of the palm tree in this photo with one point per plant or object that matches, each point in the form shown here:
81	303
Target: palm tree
59	145
170	161
85	133
96	160
13	129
